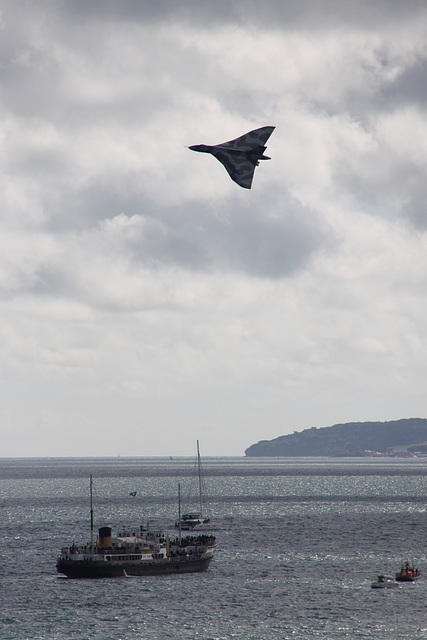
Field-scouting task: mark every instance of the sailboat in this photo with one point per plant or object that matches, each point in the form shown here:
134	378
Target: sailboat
194	519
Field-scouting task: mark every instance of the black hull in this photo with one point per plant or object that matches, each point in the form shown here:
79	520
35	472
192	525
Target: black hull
400	579
102	569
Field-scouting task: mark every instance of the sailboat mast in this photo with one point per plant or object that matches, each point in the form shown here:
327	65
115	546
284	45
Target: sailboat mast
199	468
91	513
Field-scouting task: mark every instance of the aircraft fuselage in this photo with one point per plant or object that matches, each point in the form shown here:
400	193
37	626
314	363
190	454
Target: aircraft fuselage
254	155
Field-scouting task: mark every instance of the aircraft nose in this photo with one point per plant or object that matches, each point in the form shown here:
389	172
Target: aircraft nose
200	147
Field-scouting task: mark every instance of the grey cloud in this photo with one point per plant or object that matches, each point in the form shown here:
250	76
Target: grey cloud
80	208
400	193
279	13
241	240
415	209
272	248
409	88
258	240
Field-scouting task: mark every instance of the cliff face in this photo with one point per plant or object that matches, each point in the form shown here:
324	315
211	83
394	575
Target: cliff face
349	439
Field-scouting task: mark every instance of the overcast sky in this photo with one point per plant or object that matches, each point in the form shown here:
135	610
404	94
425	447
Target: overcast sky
148	301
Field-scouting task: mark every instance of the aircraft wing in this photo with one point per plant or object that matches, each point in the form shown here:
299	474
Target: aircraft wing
239	168
250	140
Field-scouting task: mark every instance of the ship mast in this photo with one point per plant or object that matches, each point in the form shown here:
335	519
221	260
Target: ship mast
179	512
91	513
199	469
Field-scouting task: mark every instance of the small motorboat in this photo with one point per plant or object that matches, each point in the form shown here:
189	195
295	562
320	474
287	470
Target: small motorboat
407	573
384	582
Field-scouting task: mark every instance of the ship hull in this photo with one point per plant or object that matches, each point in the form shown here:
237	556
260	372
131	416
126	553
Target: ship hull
406	579
103	569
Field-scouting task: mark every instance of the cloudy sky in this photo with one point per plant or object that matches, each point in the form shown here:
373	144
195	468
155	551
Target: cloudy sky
146	300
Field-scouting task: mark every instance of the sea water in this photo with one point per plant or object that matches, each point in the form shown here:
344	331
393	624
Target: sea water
298	544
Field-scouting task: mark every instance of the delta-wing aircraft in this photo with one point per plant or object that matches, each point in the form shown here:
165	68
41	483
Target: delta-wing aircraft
240	156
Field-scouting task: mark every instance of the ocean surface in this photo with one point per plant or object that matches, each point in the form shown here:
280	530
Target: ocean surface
298	544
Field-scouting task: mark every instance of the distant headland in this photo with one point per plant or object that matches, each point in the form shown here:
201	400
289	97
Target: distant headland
406	437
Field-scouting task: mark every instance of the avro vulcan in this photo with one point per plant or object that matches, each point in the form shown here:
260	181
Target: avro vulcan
240	156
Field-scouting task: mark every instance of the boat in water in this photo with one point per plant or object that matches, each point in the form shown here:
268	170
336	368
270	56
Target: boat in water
195	519
407	573
384	582
141	553
190	521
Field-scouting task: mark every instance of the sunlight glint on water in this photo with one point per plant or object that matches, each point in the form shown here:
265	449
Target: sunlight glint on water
298	544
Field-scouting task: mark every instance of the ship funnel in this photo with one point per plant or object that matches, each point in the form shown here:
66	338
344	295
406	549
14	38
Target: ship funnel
104	537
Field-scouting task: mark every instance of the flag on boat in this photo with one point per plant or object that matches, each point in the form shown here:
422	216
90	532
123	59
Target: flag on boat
133	493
